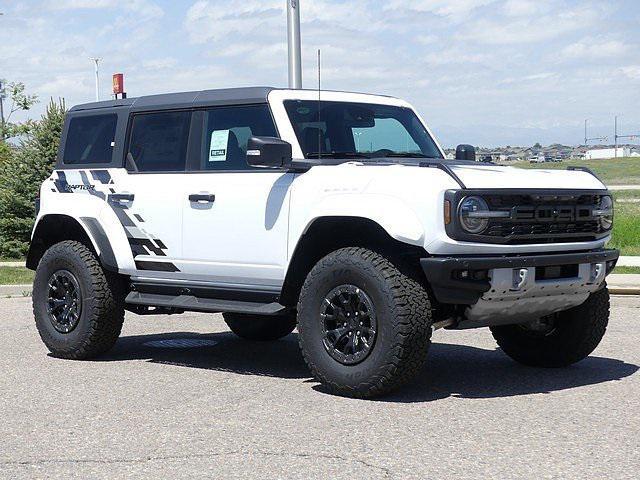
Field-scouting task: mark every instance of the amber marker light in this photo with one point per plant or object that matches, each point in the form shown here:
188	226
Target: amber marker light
447	212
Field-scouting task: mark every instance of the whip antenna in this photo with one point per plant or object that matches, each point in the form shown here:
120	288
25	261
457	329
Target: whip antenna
319	125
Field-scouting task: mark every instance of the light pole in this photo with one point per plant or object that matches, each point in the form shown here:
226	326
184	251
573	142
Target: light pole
294	44
1	106
96	60
357	135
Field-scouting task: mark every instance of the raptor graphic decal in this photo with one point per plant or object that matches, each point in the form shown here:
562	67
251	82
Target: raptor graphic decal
140	241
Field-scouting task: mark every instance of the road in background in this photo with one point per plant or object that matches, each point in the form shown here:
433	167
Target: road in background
180	397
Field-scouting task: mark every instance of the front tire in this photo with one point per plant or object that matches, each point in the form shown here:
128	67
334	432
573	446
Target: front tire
364	326
78	307
260	327
559	340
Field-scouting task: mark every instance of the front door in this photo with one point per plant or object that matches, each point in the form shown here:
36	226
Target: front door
235	217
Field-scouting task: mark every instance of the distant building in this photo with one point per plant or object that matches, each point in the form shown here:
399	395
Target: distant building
602	153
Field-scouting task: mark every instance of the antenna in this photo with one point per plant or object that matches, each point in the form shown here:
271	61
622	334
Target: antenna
319	125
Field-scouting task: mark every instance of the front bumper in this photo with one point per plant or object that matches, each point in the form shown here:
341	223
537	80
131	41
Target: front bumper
451	285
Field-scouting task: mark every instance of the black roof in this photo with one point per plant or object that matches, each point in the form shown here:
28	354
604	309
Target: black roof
204	98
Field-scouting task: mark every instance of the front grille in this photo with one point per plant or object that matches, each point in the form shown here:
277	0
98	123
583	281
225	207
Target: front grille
537	217
544	218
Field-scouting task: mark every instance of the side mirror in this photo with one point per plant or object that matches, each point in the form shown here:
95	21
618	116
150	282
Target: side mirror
268	152
466	152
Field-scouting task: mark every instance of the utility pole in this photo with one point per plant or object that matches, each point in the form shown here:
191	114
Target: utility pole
630	137
95	61
294	43
586	138
615	137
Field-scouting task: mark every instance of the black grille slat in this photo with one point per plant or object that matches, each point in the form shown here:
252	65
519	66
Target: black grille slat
523	227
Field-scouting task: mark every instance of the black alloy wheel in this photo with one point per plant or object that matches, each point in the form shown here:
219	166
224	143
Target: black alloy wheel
64	301
348	324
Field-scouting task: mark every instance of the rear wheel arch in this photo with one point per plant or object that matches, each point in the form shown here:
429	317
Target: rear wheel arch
327	234
55	228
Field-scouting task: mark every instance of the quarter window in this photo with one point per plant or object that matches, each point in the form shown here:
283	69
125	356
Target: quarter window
158	142
227	131
90	139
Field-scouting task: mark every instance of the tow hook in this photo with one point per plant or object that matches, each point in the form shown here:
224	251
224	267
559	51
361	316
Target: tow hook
520	278
597	272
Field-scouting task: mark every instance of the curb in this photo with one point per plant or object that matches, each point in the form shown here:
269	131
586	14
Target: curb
9	291
624	290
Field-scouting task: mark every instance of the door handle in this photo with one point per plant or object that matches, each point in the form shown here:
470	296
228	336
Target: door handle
121	197
202	198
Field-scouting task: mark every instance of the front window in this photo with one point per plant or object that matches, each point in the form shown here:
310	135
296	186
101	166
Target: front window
358	130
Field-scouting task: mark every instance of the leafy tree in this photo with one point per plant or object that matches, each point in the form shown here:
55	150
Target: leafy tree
19	100
21	176
537	146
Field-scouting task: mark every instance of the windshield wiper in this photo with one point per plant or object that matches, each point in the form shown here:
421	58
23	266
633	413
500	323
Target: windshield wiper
336	155
405	155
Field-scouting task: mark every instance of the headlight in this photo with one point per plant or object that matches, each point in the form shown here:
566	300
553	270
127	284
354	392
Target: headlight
605	212
472	214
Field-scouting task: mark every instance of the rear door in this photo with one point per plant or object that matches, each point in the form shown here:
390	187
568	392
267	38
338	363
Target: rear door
148	199
235	217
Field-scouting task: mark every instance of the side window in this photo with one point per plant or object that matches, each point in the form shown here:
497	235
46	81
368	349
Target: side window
90	139
227	131
158	142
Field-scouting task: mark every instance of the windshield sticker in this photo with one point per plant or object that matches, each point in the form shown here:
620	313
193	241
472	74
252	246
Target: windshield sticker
218	146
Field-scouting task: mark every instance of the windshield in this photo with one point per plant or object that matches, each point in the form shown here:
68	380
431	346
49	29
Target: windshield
358	130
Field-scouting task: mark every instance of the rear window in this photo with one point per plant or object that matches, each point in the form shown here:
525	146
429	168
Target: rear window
90	139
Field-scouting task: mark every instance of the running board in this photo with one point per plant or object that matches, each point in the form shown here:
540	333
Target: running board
196	304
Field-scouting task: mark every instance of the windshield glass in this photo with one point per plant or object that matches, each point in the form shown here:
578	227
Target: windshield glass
358	130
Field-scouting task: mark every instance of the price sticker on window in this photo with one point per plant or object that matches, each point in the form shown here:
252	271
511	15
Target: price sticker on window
218	146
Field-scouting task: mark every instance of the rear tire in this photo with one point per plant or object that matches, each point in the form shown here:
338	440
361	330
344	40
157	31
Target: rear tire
78	306
260	327
393	329
571	335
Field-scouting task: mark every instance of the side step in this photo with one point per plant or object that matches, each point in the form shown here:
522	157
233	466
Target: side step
196	304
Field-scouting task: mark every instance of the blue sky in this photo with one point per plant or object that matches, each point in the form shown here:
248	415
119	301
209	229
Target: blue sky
487	72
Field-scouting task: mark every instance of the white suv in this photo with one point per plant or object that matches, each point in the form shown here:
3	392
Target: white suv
333	212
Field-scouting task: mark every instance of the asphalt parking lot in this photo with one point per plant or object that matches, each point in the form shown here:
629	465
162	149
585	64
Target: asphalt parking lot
180	397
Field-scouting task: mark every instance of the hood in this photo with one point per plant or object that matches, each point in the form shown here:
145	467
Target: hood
493	176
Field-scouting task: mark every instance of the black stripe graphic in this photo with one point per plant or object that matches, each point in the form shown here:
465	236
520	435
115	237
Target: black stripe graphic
156	266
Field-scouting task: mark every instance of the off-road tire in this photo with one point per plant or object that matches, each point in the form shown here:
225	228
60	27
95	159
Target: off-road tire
102	313
404	320
260	327
577	333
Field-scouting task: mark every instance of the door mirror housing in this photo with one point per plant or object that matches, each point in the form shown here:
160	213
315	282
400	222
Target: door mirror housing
268	152
466	152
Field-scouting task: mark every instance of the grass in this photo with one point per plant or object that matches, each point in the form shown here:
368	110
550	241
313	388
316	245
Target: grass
621	171
628	270
15	276
626	224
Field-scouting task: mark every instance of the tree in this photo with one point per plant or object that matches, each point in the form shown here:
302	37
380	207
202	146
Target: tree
537	146
21	176
19	101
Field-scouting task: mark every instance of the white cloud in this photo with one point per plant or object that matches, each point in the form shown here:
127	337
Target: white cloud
631	71
593	48
517	8
438	7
